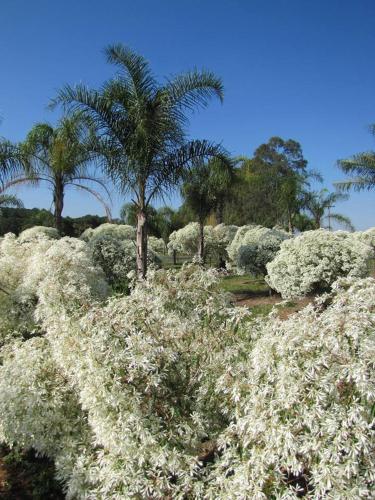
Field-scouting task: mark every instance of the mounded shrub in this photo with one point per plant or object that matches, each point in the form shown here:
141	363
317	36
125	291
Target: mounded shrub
312	261
253	247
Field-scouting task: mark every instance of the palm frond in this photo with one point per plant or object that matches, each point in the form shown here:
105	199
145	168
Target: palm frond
193	89
343	220
134	67
10	200
96	195
12	162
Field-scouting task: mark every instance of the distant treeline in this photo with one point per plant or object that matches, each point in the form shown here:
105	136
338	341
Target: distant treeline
15	220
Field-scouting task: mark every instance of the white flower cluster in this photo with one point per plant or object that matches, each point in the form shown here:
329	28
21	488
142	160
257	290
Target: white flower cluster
119	231
114	249
36	231
253	247
367	237
27	264
312	261
156	245
302	420
216	239
172	393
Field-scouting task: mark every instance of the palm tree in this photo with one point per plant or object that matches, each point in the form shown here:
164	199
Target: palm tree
11	163
9	200
60	158
10	166
140	125
361	168
319	203
203	190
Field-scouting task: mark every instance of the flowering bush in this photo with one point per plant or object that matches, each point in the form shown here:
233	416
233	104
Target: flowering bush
172	393
303	421
114	250
119	231
312	261
156	245
367	237
26	263
36	231
253	247
216	239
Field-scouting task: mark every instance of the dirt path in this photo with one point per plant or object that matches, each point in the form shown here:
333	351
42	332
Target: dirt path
285	311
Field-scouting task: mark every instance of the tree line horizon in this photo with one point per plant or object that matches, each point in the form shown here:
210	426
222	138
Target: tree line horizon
133	132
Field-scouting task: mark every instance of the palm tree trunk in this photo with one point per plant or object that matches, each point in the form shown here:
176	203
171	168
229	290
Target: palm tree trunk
220	212
201	242
141	244
58	201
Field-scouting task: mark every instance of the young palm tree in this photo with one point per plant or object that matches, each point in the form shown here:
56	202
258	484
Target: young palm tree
203	190
318	204
141	129
60	158
361	168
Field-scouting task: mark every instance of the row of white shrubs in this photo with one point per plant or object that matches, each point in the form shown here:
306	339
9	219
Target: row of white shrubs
293	266
170	392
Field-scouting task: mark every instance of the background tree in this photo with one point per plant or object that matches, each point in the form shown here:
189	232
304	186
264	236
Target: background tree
10	200
60	157
141	129
203	190
360	168
269	188
319	205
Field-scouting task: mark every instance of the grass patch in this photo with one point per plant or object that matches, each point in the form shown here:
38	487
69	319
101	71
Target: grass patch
245	285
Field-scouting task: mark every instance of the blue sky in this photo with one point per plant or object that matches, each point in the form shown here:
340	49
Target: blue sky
300	69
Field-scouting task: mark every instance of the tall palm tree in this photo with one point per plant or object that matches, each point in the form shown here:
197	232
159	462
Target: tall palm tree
319	204
203	190
60	157
361	168
140	125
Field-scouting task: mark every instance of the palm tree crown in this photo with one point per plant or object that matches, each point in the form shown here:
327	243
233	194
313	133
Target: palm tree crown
361	168
59	157
318	204
140	127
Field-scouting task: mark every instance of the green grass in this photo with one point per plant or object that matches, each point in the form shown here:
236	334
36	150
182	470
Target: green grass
245	285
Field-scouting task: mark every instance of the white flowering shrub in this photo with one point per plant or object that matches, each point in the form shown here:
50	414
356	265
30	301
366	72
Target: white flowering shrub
156	245
253	247
120	231
223	235
36	231
312	261
114	249
216	239
367	237
28	264
303	416
170	392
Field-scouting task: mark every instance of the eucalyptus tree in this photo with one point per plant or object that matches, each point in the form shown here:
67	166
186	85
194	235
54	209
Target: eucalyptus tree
60	157
284	164
202	190
319	205
141	129
361	169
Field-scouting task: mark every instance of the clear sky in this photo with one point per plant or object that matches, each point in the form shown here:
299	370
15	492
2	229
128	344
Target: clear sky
300	69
